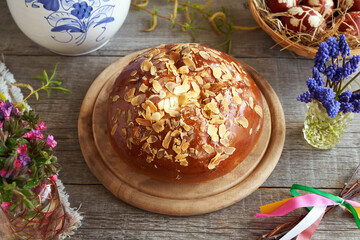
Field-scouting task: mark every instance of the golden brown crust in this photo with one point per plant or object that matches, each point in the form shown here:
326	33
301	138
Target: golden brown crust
184	113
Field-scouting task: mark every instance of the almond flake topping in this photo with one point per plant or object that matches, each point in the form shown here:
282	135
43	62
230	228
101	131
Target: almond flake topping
199	80
151	105
167	140
222	130
129	94
153	70
251	102
146	65
204	55
236	99
181	89
139	99
243	121
143	122
115	98
217	72
156	86
159	126
184	70
208	148
184	162
171	86
229	150
259	110
133	73
212	131
114	128
189	62
143	88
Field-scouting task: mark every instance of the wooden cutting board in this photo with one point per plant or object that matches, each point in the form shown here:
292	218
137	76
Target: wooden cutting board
171	198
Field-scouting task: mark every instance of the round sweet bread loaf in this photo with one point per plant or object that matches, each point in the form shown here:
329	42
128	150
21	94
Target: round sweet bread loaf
184	113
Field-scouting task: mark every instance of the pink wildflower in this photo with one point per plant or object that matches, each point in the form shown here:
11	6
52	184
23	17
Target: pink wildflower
22	149
17	163
5	205
50	141
42	126
34	134
53	178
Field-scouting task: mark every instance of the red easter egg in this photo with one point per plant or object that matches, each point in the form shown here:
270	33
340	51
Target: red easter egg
303	19
349	5
324	7
351	24
281	5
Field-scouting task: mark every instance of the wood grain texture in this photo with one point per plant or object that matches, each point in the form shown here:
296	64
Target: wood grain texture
106	217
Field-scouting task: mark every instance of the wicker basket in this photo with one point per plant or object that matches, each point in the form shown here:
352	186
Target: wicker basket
297	48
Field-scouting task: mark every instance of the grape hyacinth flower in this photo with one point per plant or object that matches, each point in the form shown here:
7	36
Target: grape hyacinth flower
330	104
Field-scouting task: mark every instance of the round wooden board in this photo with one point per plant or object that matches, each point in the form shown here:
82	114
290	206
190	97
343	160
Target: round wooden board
170	198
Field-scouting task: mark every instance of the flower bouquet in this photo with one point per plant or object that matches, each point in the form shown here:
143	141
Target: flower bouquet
32	206
330	104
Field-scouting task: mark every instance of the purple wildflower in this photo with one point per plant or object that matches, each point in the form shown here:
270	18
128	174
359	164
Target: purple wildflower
333	47
343	46
305	97
6	109
22	149
321	57
317	77
332	107
330	71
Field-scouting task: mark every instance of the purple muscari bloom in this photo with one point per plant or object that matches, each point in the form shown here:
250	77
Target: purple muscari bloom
333	47
351	66
343	46
311	83
317	77
332	107
305	97
6	109
345	104
321	57
339	74
330	71
323	94
356	106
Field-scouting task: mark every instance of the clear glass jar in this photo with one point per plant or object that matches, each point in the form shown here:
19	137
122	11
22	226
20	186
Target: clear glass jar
322	131
45	220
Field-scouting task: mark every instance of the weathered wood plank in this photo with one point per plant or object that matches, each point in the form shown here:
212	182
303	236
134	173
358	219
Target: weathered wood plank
129	39
109	218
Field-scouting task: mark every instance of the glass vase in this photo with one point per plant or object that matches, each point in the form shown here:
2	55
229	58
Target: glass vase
45	220
322	131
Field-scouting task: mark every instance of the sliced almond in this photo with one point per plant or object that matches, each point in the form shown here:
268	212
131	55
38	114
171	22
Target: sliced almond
167	140
189	62
143	122
129	94
114	128
199	80
152	139
212	131
146	65
204	55
243	121
208	148
149	159
143	88
229	150
181	89
171	86
153	70
236	99
212	106
156	86
115	98
184	162
259	110
156	116
222	130
137	100
181	156
133	73
175	56
184	70
251	102
151	105
159	126
217	72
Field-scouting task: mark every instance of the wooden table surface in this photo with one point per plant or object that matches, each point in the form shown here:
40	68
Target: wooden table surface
106	217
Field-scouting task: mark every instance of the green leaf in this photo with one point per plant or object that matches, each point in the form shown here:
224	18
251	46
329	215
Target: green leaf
41	78
26	192
59	89
31	183
2	97
54	72
57	82
28	204
36	96
3	150
46	77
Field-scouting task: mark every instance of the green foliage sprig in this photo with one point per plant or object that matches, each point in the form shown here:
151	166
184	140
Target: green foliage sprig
221	22
47	84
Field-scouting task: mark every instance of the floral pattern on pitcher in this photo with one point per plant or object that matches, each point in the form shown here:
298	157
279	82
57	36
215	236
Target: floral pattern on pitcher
71	20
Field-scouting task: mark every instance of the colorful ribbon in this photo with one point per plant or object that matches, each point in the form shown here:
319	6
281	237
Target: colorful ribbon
317	202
